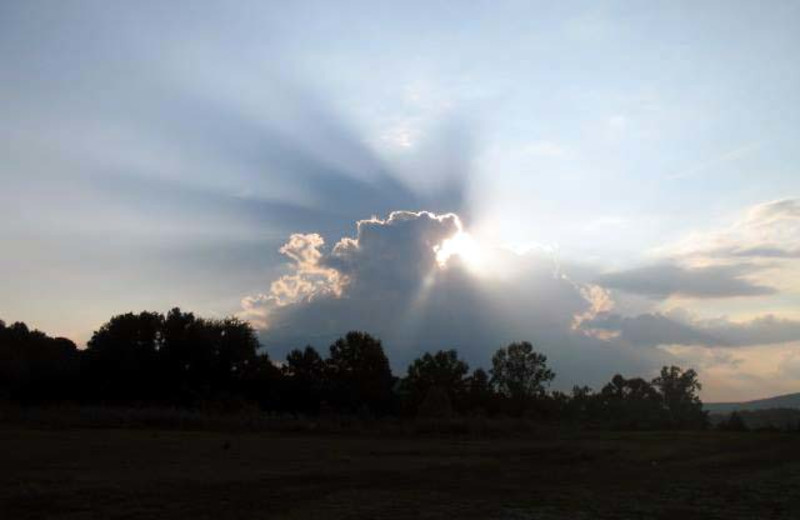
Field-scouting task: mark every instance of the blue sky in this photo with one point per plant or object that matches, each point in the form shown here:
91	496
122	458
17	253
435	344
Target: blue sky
157	154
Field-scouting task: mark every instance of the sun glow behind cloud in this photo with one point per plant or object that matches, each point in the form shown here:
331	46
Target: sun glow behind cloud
463	246
207	137
420	280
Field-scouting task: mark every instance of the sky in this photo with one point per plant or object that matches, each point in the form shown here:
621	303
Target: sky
617	182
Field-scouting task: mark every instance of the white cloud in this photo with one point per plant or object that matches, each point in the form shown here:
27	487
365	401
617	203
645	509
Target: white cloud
765	239
765	231
308	279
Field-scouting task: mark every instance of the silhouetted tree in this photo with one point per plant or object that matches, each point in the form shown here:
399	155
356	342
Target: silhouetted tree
179	354
441	370
35	367
186	360
520	374
678	391
304	380
631	404
261	381
480	396
180	358
235	347
122	357
359	374
582	406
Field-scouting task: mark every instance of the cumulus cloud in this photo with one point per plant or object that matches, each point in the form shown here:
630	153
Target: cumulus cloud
385	262
665	280
388	280
396	252
600	304
309	278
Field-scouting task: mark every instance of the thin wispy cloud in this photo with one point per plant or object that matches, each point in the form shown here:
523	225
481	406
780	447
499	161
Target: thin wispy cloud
711	165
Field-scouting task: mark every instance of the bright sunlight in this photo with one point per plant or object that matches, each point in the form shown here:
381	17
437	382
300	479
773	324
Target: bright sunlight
463	246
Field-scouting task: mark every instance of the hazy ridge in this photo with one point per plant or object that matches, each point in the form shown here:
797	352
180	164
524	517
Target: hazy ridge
779	401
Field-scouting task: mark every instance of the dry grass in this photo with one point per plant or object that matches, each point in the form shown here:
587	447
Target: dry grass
253	420
156	473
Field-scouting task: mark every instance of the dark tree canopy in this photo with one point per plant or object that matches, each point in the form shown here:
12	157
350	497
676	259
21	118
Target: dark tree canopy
185	360
678	391
631	403
480	396
305	364
178	357
305	380
35	367
442	371
130	334
122	357
520	373
669	401
359	374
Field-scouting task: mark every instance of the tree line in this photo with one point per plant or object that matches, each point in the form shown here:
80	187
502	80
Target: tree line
180	359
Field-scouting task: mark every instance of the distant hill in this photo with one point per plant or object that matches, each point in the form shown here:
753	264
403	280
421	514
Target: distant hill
771	418
781	401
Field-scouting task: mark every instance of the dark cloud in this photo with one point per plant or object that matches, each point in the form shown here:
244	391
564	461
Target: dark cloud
648	330
664	280
759	331
397	252
652	329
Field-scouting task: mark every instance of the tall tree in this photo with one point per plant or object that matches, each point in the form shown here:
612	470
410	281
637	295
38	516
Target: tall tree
359	374
442	372
520	373
480	395
679	397
35	367
631	404
304	380
122	357
180	358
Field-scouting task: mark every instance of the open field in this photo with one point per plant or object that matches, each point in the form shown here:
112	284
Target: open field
114	473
